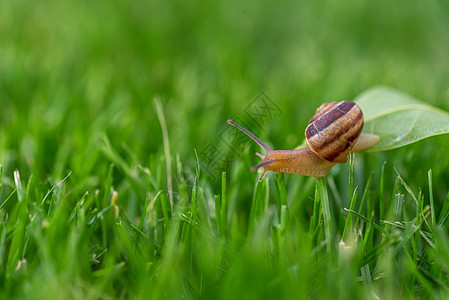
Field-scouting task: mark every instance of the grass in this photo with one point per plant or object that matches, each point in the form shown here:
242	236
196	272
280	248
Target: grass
119	177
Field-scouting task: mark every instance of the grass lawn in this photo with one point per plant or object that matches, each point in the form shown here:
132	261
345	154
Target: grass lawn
120	179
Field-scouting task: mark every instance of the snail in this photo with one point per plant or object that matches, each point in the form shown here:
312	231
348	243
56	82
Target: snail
333	133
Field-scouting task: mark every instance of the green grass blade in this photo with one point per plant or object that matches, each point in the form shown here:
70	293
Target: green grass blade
397	207
326	214
367	280
1	176
432	204
348	223
280	183
224	204
381	192
165	139
368	234
405	185
444	214
419	220
315	220
364	197
260	203
219	223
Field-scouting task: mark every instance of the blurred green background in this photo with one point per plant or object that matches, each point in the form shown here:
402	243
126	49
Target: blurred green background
72	72
72	69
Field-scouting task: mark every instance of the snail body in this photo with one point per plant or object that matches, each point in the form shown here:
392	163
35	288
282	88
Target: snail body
332	134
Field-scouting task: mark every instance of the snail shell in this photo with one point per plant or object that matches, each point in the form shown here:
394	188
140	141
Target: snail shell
334	130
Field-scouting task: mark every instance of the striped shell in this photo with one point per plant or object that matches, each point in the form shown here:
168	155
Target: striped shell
334	129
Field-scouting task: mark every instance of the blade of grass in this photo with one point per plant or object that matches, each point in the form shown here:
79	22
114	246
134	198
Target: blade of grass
194	205
19	186
224	204
3	243
145	212
348	223
381	192
367	280
326	213
364	197
54	187
1	176
419	220
368	234
161	117
351	176
260	202
432	204
18	239
370	201
405	185
390	211
166	211
280	182
315	220
9	197
397	206
218	215
444	214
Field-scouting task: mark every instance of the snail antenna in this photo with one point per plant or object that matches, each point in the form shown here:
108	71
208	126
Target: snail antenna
252	136
262	164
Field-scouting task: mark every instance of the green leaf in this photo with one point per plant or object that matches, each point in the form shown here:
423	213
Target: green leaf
399	119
